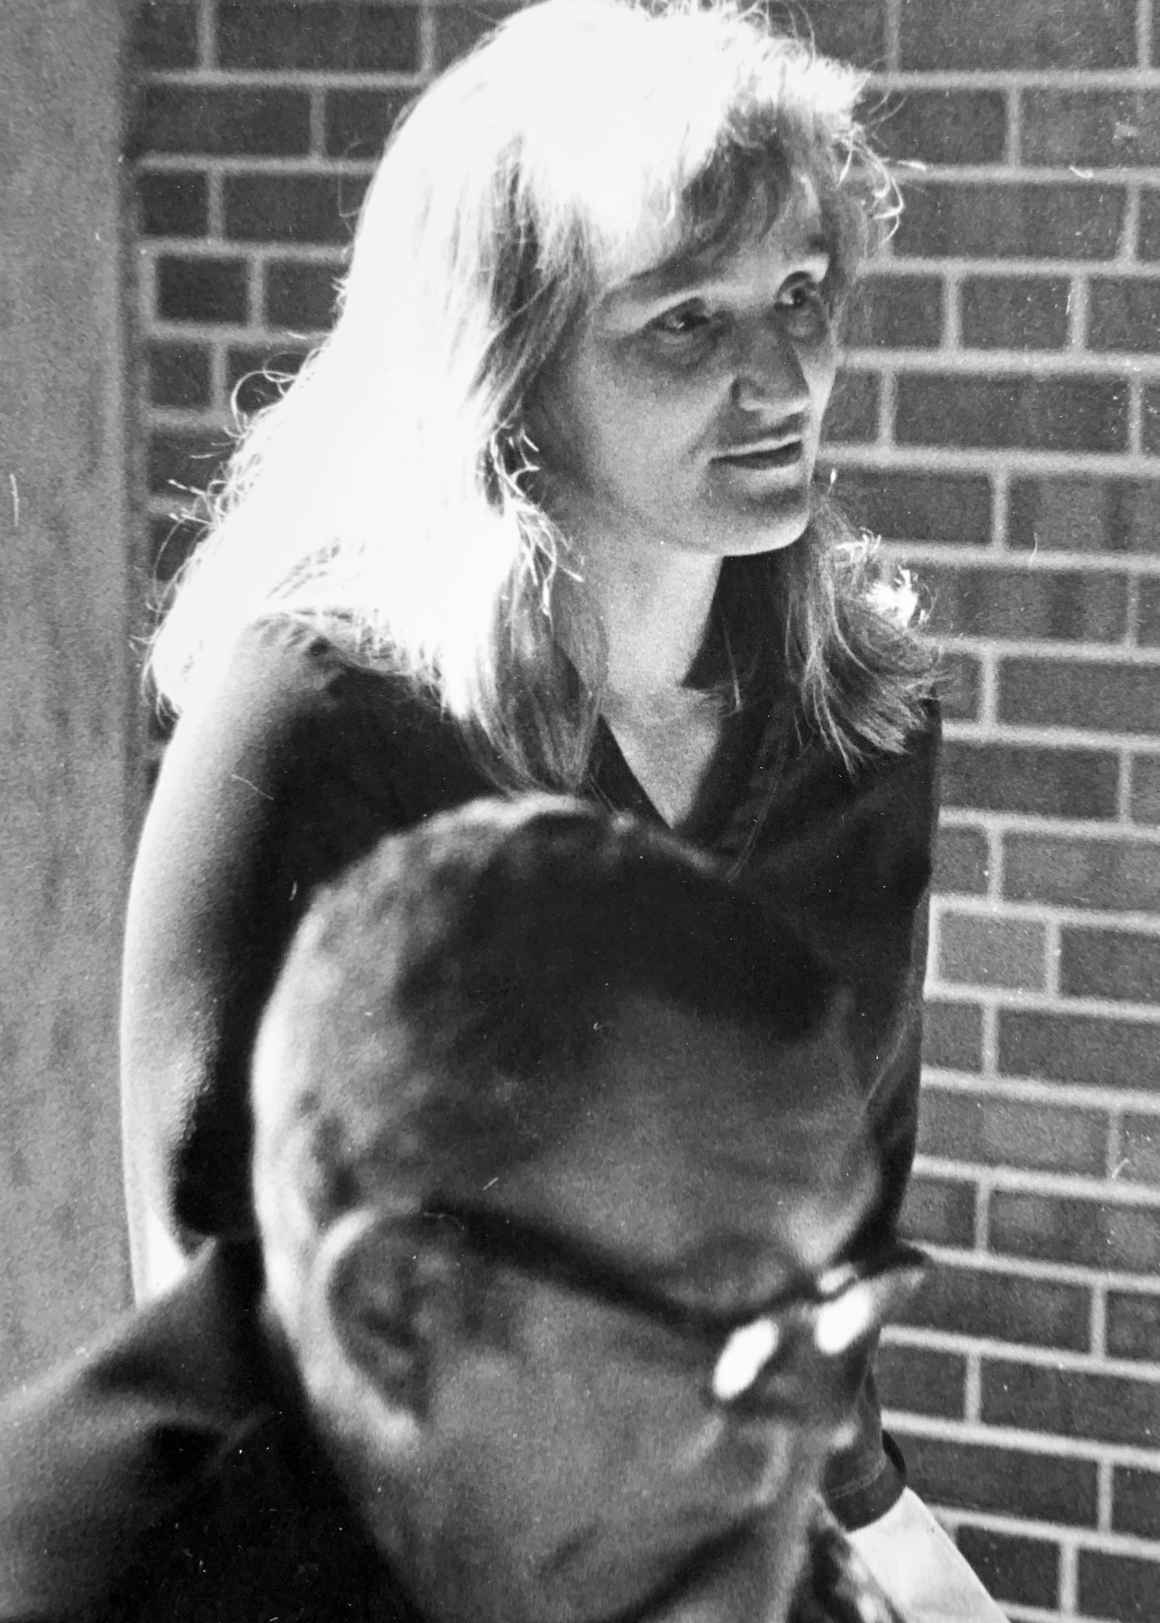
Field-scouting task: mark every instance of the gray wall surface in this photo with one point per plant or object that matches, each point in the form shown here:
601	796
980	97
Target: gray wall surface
66	681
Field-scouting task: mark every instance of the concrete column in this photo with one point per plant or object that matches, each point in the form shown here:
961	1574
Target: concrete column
67	708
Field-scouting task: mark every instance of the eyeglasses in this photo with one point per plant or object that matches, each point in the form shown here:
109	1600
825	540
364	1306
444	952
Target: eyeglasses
799	1353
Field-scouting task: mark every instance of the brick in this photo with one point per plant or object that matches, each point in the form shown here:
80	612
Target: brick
1071	1403
1155	57
459	27
1085	1233
977	34
1014	1569
1140	1149
1148	618
1119	1587
1124	313
1050	605
171	541
180	461
853	413
179	375
920	1380
1099	1051
1015	312
851	33
909	505
1148	238
1116	875
992	951
960	685
1002	1307
961	861
1119	964
165	35
340	37
1017	1482
897	312
356	123
1145	789
256	377
292	208
1135	1501
1038	414
174	203
1133	1325
1103	697
1008	1132
953	1036
218	123
300	294
1013	219
204	290
1093	129
945	127
1085	515
1150	413
940	1211
1037	782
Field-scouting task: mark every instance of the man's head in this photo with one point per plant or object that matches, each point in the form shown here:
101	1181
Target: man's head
555	1144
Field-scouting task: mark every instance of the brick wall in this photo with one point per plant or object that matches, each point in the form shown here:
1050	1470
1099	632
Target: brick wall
1000	427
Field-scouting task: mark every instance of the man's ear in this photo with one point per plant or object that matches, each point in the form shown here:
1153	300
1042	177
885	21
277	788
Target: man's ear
372	1286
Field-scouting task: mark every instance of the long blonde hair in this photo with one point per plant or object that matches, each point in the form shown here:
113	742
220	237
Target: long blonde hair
388	492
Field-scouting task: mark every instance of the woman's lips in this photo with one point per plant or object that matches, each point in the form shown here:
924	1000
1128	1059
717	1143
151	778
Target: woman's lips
765	456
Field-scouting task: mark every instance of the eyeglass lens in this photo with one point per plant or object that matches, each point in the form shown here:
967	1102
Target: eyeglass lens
774	1358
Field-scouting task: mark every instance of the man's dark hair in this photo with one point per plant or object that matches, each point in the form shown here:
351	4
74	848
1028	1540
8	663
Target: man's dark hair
446	998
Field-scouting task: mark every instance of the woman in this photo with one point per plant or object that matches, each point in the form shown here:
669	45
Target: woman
541	512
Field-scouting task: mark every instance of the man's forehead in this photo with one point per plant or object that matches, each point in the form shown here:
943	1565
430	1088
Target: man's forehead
699	1141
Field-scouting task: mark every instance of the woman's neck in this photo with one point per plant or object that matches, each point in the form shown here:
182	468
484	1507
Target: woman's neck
653	609
653	612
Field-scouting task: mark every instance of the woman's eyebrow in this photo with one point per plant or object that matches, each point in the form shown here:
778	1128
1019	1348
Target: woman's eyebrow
686	273
673	279
678	275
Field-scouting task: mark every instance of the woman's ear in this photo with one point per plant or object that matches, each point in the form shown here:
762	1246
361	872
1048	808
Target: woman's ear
370	1282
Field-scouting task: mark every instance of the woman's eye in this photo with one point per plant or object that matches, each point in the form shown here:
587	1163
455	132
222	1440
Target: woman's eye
686	321
804	307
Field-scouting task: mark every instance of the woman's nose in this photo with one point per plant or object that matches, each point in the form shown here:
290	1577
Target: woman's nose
769	375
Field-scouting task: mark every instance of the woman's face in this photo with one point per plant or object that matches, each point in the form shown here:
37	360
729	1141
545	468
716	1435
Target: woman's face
687	410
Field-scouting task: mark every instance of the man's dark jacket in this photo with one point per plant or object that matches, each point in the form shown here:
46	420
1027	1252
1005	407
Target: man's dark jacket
168	1476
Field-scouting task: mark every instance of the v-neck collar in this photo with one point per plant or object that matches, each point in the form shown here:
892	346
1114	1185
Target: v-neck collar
739	787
